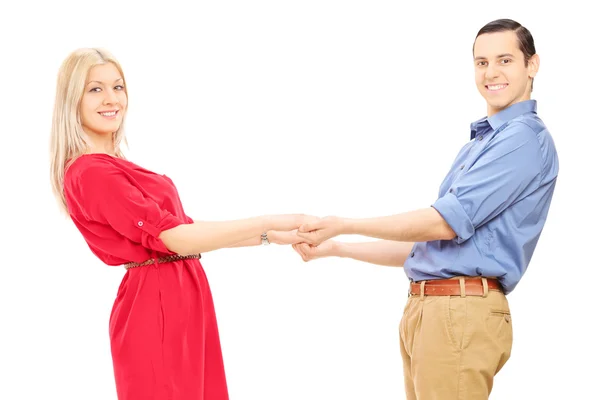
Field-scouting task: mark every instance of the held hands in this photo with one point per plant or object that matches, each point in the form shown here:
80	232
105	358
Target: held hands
310	240
283	229
309	229
320	230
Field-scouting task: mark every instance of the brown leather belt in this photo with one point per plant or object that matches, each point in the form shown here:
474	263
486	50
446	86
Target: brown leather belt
452	287
161	260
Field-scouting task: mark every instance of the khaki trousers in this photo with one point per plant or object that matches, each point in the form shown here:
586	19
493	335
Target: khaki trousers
453	346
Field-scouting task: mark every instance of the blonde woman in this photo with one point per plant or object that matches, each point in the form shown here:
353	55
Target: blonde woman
163	330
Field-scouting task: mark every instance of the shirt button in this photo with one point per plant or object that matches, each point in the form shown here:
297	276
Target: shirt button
140	223
480	138
451	190
412	254
462	166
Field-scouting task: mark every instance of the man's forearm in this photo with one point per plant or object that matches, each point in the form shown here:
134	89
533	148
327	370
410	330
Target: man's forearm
382	252
416	226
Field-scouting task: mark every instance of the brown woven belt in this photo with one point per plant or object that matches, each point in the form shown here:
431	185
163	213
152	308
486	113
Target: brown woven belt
452	287
161	260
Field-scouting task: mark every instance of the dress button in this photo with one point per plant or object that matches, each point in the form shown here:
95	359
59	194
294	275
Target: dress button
140	223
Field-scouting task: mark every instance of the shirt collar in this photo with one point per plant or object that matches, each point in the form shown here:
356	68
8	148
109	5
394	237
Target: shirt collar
499	119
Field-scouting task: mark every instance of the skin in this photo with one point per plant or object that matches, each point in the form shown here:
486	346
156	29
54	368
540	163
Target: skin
104	92
498	61
399	232
503	78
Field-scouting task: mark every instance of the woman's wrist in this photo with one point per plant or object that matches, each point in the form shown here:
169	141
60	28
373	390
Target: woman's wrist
273	237
267	222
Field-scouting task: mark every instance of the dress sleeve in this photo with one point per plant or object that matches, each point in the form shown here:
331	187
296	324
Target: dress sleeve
107	195
507	171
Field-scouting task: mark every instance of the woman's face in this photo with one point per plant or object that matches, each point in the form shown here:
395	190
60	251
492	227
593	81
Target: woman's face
104	100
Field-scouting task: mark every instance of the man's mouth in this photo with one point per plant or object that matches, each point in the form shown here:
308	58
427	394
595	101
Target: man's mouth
497	87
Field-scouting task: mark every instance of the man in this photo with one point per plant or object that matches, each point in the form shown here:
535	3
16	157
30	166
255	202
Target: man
467	251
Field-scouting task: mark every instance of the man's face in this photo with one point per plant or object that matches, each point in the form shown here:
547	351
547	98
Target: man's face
502	76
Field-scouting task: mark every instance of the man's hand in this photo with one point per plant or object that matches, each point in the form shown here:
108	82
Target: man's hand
321	230
308	252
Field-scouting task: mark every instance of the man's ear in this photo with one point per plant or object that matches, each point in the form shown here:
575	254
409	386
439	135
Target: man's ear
533	65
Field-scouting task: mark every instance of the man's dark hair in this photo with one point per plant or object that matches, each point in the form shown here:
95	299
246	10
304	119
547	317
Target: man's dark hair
526	44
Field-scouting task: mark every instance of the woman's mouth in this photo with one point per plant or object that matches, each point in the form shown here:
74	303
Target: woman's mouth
109	114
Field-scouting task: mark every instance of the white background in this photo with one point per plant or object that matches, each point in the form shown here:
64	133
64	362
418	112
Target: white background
349	108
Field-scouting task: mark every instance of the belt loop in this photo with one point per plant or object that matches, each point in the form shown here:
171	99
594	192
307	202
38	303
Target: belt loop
422	290
463	293
485	287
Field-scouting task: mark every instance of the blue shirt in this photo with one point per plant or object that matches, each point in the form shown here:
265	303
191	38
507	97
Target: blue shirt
496	198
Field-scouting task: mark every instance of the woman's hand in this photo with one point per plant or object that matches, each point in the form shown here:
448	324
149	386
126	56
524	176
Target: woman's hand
284	238
289	222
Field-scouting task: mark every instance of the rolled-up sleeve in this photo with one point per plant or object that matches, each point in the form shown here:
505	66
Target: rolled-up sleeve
108	196
505	172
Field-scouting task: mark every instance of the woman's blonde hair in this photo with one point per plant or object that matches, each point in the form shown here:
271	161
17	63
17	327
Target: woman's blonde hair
68	140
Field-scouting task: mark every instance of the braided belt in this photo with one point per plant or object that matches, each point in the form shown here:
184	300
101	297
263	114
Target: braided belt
161	260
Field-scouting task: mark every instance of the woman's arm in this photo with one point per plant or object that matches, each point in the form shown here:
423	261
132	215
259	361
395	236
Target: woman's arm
275	237
204	236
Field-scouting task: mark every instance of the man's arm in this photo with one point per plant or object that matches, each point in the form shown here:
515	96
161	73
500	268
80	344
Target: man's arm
388	253
415	226
507	171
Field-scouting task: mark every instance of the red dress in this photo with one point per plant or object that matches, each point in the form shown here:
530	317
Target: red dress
163	329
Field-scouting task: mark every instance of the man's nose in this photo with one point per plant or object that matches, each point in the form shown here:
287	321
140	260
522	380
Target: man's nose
491	72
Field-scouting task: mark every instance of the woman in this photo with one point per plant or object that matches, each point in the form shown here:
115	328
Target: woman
163	330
